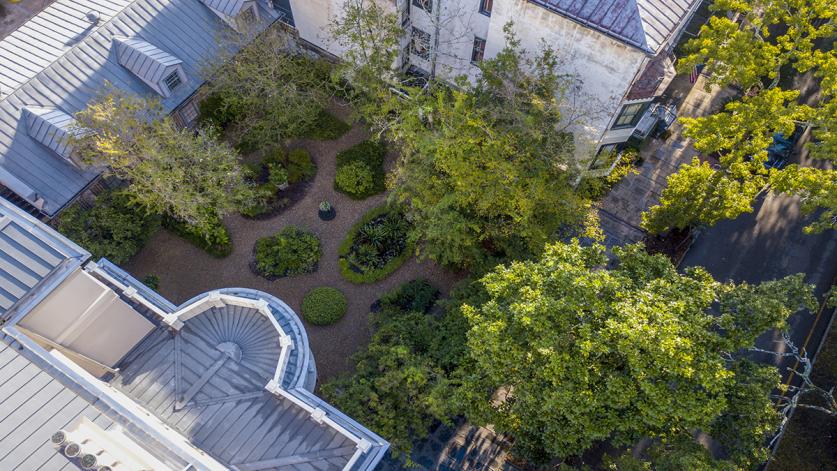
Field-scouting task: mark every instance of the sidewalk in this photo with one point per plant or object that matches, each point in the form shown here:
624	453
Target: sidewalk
621	210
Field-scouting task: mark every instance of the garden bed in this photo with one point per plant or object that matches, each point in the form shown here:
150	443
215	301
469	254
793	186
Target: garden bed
376	246
292	251
217	243
281	179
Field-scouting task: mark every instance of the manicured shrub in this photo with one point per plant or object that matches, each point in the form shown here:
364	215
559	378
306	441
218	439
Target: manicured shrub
215	239
324	306
354	179
369	153
270	177
293	251
152	281
327	127
113	228
376	246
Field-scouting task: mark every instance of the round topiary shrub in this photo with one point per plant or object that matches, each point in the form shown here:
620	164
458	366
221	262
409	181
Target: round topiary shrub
324	306
355	179
293	251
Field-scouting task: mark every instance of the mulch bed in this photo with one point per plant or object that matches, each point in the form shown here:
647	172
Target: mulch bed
673	244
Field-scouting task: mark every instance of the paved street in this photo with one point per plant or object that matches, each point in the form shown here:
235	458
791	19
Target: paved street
768	244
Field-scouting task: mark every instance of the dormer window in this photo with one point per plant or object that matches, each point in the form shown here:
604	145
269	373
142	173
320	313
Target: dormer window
248	16
172	81
235	13
156	68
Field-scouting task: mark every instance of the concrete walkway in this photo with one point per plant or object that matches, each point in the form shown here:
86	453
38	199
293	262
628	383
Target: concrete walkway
621	211
186	271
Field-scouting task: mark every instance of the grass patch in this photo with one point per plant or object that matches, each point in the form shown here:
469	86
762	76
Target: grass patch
375	247
368	154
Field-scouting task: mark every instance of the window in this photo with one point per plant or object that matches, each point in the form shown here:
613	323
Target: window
172	81
485	7
249	15
405	15
630	115
479	50
189	113
426	5
420	43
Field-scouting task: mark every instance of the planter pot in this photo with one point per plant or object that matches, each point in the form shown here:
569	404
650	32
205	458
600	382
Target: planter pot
327	215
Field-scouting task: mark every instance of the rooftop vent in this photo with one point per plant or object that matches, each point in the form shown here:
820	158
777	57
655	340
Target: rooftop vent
92	16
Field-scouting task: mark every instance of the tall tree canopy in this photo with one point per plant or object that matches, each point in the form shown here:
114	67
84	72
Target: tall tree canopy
487	170
566	352
774	38
273	90
192	176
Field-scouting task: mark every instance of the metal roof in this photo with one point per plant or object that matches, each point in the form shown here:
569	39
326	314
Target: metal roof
646	24
33	406
29	253
145	60
51	127
226	7
59	59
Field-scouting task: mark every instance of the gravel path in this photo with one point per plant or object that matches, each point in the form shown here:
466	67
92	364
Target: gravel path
186	271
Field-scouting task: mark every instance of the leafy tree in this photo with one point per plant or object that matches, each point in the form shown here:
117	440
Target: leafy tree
370	37
775	37
273	91
565	352
488	171
194	177
400	385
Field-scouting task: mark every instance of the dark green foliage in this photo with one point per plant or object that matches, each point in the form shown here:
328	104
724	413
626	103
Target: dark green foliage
152	281
113	228
268	177
213	112
375	246
293	251
371	154
354	179
327	127
399	388
215	239
297	163
324	306
416	295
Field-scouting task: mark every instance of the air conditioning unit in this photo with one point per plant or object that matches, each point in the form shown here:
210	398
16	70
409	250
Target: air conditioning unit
59	438
72	449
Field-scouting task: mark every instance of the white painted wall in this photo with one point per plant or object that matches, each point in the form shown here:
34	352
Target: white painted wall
604	68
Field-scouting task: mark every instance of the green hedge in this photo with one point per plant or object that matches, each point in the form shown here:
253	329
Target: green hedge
217	243
324	306
292	251
113	228
371	154
373	275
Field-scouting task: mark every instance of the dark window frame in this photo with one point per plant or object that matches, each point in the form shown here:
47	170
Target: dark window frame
176	81
426	5
425	38
478	49
634	111
486	6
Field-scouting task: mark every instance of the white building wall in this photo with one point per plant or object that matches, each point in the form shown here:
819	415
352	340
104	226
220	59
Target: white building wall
604	67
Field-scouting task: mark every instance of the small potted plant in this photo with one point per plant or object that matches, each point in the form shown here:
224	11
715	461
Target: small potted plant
326	212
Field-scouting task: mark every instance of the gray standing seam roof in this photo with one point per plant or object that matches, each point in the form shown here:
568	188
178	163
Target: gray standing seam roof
34	405
646	24
60	60
29	253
